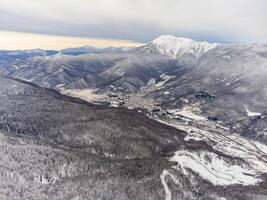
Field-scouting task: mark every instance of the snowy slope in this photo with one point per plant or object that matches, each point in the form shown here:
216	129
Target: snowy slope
177	47
237	160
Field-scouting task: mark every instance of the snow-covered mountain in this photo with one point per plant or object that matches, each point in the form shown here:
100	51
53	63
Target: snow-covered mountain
23	54
93	50
176	47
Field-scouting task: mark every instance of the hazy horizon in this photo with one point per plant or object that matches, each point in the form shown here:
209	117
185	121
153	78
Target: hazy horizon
27	41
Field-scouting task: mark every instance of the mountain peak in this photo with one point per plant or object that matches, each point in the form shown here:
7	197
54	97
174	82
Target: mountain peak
170	38
178	46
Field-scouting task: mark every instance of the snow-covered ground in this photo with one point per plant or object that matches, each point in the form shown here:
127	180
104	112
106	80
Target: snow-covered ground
166	188
186	112
215	168
246	159
85	94
252	114
165	78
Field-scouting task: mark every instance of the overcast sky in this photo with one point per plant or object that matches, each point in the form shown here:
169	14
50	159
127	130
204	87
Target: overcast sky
139	20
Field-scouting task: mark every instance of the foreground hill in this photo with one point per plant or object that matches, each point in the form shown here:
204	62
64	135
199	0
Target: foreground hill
58	147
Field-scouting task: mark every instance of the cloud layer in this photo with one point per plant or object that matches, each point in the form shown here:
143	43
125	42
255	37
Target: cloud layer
22	41
139	20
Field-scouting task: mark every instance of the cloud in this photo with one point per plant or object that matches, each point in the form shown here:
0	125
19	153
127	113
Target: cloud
22	41
140	20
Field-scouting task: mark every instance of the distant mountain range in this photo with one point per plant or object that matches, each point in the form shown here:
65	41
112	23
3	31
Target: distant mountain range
166	44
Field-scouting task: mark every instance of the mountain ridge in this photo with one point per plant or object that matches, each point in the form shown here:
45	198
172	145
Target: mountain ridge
176	47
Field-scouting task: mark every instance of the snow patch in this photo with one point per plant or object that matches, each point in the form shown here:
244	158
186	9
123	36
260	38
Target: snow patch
166	93
166	188
214	168
151	81
191	137
85	94
252	114
164	78
186	112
